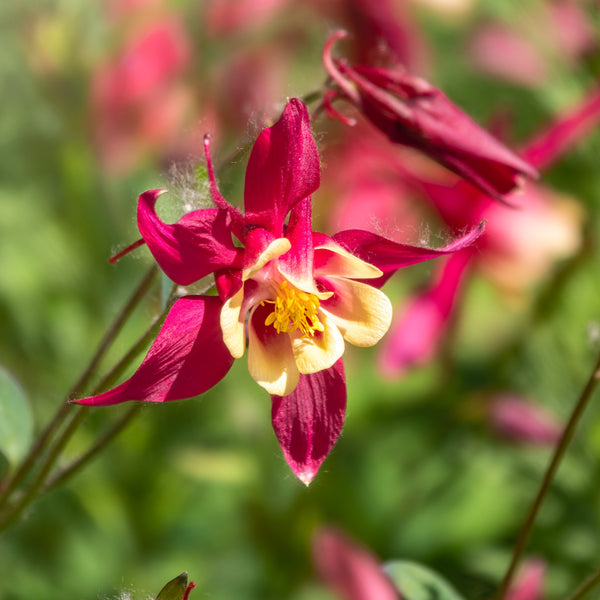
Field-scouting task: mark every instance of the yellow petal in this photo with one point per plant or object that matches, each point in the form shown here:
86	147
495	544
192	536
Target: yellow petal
318	352
334	260
270	359
232	324
274	250
361	312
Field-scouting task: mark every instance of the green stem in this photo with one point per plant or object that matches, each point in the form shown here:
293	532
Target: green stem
592	581
548	477
41	481
117	427
10	485
85	458
16	510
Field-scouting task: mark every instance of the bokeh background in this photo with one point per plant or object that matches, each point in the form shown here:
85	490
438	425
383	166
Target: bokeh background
100	101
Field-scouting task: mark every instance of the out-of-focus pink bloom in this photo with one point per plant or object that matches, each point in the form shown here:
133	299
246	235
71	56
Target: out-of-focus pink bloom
412	112
365	190
573	31
350	570
138	99
383	31
520	420
523	245
530	582
416	335
520	245
228	16
565	33
503	52
250	85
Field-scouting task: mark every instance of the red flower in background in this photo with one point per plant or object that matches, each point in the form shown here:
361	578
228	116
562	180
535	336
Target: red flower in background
350	570
138	99
412	112
292	296
519	248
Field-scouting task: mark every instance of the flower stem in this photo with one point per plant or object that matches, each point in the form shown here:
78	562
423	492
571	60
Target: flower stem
548	478
592	581
10	485
85	458
117	427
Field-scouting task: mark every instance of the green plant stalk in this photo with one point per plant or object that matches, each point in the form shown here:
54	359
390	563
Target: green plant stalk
117	427
10	485
592	581
548	478
42	482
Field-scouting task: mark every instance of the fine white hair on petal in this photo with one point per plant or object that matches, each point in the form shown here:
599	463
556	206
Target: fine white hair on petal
189	189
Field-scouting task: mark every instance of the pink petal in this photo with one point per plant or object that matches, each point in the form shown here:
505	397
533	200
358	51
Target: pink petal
523	421
552	143
187	358
308	421
282	170
297	263
197	245
417	335
530	583
348	569
389	256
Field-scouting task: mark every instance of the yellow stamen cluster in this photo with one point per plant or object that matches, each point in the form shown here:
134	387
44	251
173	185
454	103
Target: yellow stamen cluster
294	309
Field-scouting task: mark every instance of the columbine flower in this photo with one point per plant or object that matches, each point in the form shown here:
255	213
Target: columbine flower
412	112
293	297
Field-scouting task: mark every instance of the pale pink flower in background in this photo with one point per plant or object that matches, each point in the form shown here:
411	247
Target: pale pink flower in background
523	421
138	96
229	16
521	245
502	52
527	57
530	581
348	569
417	333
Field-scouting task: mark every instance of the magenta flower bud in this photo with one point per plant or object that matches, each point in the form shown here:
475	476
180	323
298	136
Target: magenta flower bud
530	583
522	421
350	570
412	112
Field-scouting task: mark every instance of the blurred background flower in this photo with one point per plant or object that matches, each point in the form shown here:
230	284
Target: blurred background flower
421	474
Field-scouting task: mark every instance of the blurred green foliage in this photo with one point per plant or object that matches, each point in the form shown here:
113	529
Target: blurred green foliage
200	485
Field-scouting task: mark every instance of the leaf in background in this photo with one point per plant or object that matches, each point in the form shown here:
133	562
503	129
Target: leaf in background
16	422
417	582
175	589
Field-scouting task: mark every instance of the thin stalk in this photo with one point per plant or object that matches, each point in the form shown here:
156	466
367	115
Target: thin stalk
85	458
117	427
41	480
548	478
114	330
10	485
15	512
592	581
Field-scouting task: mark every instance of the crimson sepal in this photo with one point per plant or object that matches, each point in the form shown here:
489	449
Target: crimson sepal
308	421
187	358
282	170
197	245
389	256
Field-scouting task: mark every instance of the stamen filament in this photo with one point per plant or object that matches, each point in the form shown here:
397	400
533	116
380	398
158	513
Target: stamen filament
294	310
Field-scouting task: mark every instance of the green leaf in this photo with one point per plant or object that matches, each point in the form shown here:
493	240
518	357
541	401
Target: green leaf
417	582
16	421
175	589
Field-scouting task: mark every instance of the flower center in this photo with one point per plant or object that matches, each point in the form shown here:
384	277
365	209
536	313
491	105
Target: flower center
294	309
